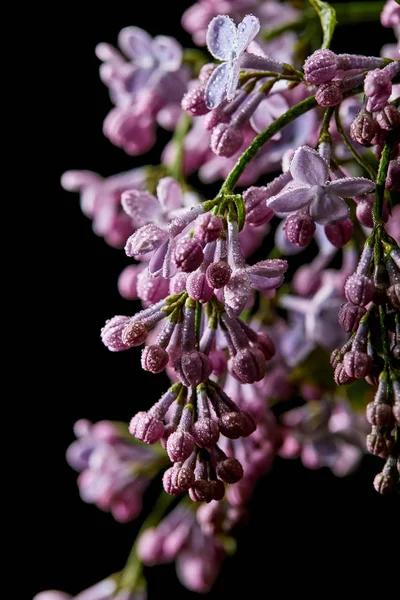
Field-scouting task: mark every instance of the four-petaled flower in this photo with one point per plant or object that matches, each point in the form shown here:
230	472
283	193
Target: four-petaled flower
312	189
228	43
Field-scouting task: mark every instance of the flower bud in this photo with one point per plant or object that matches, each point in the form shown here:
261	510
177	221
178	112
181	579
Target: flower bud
357	364
320	67
359	289
192	368
205	432
226	140
379	414
180	445
299	229
146	427
134	334
350	316
329	94
111	333
208	228
188	254
266	345
229	470
363	129
376	444
194	102
198	287
339	232
248	366
388	117
218	274
154	359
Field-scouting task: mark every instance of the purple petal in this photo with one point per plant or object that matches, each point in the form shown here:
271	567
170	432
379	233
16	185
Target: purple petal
169	194
351	186
234	72
136	44
308	168
290	200
265	283
327	208
221	37
168	52
217	85
246	32
142	207
144	240
73	181
136	79
157	259
273	267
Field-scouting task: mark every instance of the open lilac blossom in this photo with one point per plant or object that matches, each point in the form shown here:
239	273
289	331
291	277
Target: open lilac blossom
314	192
227	43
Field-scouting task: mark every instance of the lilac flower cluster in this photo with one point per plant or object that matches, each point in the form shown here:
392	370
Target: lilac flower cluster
233	335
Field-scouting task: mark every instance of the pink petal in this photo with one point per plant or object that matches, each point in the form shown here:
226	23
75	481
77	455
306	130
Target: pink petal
290	200
73	181
142	207
327	208
351	186
217	85
136	44
221	36
169	194
307	167
246	32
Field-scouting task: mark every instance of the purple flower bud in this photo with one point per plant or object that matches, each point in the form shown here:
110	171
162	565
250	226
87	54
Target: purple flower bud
201	491
393	295
363	129
144	240
359	289
205	432
248	365
194	102
390	15
266	345
341	377
218	490
205	72
377	88
184	476
329	94
229	470
306	281
180	445
178	283
127	282
350	315
376	444
169	482
154	359
320	67
379	414
208	228
218	274
192	368
146	428
219	361
388	117
357	364
215	117
111	333
257	211
151	289
231	425
393	176
364	212
384	484
226	140
188	254
198	287
134	334
339	232
299	229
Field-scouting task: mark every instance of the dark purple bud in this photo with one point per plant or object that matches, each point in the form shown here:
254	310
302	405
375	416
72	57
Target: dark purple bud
127	282
201	491
393	295
357	364
146	428
111	333
154	359
205	432
180	445
384	482
218	489
266	345
192	368
231	425
376	444
208	228
183	477
393	176
388	118
188	254
257	211
339	232
134	334
218	274
194	102
170	483
359	289
306	281
350	315
299	229
178	283
198	287
151	289
341	377
364	212
248	366
378	88
363	129
229	470
329	94
226	140
320	67
379	414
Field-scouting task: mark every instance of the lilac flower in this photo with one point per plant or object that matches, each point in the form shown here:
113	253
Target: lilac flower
227	43
104	590
312	190
324	434
107	465
101	200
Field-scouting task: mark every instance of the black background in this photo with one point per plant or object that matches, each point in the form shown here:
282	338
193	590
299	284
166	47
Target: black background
308	531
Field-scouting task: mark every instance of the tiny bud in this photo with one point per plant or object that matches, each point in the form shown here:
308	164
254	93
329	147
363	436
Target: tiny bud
205	432
364	212
169	482
188	254
257	211
234	424
201	491
336	357
363	129
357	364
385	481
388	118
248	366
350	316
266	345
208	228
229	470
329	94
134	334
393	176
320	67
194	102
341	376
359	289
111	333
218	274
183	478
198	287
226	140
376	444
339	232
192	368
218	490
299	229
379	414
146	428
154	359
393	295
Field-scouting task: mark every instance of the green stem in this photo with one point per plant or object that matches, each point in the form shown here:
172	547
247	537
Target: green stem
133	568
325	136
381	178
178	140
360	159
